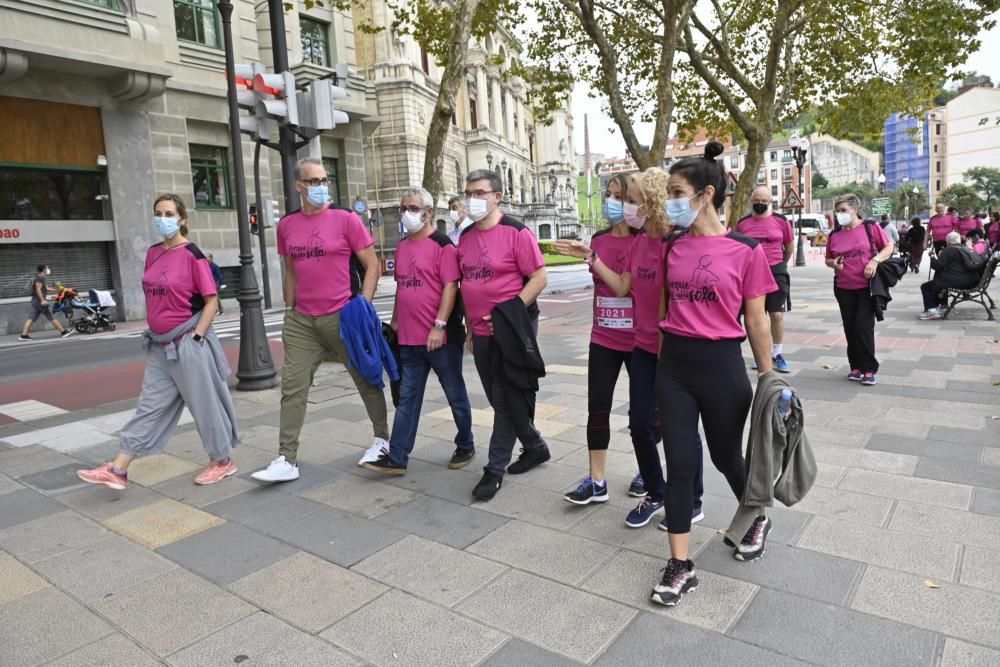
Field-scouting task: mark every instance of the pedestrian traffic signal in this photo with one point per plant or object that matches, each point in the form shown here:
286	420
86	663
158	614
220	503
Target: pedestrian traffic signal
318	105
252	215
276	97
271	213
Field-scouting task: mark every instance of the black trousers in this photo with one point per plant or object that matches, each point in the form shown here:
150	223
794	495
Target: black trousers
858	314
603	368
706	379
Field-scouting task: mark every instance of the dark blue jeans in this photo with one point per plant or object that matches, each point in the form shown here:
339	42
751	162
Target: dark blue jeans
417	363
644	424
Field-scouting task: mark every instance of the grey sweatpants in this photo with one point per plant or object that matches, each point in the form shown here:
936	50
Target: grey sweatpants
167	387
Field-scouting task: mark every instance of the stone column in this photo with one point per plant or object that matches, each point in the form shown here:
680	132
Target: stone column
497	110
482	98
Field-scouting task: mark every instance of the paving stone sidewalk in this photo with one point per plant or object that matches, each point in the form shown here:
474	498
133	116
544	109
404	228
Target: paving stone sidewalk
892	559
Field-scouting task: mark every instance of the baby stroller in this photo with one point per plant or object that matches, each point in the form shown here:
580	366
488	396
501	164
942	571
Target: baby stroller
95	318
904	251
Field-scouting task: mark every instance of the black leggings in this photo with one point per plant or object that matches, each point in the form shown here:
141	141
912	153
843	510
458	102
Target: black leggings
858	314
706	378
603	368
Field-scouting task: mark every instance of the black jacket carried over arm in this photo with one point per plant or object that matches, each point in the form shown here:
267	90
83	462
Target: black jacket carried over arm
514	354
957	266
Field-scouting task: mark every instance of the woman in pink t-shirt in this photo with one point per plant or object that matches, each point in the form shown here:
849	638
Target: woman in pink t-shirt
186	366
850	254
712	275
993	230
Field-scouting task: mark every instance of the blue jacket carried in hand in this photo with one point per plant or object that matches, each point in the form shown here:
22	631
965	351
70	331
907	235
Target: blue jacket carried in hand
367	349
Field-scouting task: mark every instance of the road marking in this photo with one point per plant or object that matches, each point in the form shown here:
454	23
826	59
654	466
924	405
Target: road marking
30	410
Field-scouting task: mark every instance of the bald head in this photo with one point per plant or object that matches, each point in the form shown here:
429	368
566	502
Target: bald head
761	197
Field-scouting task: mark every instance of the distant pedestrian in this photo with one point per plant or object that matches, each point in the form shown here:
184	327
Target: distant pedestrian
939	226
773	232
186	366
889	227
917	236
459	218
319	244
854	253
428	325
40	305
968	223
503	273
993	230
217	277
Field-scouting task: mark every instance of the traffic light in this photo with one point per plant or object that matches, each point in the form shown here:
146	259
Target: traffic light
272	213
256	125
276	97
254	227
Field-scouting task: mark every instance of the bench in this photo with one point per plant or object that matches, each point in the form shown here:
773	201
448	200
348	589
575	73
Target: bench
952	296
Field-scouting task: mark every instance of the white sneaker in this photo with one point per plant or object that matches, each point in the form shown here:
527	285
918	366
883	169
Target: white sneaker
932	314
378	448
279	470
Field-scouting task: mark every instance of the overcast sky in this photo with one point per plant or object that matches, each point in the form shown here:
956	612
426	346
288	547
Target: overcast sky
607	139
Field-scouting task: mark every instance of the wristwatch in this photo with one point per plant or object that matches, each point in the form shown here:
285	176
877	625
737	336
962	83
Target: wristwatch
440	325
198	338
590	261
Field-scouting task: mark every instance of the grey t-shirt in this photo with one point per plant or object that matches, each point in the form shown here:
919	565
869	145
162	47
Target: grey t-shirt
35	289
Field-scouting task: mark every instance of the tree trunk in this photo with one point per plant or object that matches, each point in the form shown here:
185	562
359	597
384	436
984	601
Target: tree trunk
444	109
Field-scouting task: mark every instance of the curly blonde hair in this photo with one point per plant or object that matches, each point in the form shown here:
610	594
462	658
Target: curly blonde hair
653	183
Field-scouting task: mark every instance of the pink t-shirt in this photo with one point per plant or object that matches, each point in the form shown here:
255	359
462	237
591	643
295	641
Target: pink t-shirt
495	265
773	233
646	267
175	283
993	235
320	246
941	225
854	247
966	226
423	268
614	325
709	279
981	247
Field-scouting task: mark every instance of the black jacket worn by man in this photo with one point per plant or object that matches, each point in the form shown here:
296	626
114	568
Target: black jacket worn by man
957	266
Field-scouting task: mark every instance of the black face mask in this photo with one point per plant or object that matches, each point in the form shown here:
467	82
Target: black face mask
760	209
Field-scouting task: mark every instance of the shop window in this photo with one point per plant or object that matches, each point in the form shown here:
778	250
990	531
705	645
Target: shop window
210	177
197	21
315	41
43	193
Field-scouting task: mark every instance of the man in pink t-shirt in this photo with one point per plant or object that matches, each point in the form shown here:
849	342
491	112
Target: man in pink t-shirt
428	325
938	227
774	234
500	261
319	245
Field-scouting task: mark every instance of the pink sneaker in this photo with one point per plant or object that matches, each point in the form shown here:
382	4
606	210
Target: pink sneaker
104	476
215	472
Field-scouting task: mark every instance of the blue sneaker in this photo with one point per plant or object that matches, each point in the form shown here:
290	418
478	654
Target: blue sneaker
696	515
781	365
641	515
637	489
588	491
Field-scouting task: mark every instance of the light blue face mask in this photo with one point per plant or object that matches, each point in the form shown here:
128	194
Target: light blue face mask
613	211
318	194
680	212
166	227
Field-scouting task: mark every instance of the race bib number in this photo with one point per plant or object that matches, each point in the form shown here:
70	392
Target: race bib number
614	312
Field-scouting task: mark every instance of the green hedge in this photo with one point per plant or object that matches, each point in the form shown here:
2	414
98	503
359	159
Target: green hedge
547	247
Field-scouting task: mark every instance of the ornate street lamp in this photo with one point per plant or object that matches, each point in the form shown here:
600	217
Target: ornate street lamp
489	160
881	184
800	146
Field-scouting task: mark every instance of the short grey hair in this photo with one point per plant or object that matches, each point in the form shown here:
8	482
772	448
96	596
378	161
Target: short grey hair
953	238
303	162
426	200
485	175
455	199
851	200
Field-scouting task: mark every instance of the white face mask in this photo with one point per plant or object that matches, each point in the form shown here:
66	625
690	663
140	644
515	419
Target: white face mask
412	221
455	217
477	208
844	217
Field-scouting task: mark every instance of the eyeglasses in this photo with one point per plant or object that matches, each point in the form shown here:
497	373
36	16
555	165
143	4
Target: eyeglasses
478	194
314	182
411	209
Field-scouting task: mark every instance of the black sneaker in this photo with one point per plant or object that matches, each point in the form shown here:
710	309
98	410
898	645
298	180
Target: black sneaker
385	465
678	579
67	333
588	492
488	486
461	458
637	489
528	459
25	338
751	547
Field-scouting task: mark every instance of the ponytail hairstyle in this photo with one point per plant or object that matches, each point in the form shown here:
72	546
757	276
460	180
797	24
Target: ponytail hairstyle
704	171
182	214
653	183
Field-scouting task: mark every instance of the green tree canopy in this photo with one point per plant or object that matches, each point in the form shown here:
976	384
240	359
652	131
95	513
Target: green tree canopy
962	197
985	181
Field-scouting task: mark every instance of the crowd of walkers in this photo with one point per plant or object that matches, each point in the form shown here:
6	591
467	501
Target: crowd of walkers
676	293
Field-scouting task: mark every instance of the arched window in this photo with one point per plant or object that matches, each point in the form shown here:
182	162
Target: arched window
510	181
545	231
524	191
